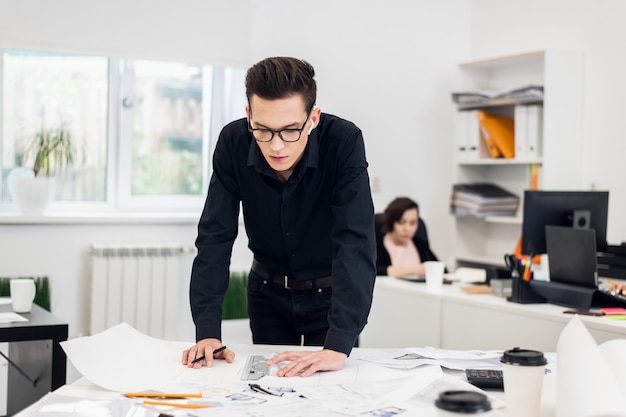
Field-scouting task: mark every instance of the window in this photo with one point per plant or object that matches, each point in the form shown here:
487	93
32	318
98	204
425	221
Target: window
47	91
144	130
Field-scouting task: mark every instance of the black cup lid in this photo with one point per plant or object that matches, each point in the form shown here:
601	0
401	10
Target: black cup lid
523	357
468	402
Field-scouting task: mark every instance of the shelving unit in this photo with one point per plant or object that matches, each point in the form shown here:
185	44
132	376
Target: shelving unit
486	240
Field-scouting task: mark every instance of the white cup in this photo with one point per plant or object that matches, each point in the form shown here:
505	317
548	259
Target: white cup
523	372
22	295
434	275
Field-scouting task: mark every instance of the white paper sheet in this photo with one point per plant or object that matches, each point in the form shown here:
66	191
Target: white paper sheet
11	317
125	360
591	379
452	359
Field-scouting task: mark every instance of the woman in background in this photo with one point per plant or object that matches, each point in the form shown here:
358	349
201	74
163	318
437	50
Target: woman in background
402	241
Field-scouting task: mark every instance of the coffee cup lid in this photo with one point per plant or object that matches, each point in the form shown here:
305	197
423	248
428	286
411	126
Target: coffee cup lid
468	402
523	357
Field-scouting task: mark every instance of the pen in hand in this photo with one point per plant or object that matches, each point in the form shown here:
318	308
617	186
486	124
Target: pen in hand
201	358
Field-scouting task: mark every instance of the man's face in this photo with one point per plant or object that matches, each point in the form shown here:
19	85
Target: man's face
285	113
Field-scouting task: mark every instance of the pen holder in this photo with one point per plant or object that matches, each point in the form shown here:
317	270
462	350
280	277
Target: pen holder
522	293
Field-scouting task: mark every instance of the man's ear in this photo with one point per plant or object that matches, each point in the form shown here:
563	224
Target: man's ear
315	118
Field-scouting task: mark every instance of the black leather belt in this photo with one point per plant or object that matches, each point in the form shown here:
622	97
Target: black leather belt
287	283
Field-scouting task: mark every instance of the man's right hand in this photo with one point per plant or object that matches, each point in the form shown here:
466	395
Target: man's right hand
205	347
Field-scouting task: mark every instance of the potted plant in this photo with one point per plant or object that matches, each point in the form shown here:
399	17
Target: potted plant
49	152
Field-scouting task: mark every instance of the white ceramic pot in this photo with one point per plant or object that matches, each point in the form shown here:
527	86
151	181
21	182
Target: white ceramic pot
32	195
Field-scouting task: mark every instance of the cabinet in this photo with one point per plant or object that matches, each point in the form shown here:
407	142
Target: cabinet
34	346
451	319
485	240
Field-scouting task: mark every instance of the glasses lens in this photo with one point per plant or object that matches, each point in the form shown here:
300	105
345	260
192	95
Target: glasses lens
262	135
290	135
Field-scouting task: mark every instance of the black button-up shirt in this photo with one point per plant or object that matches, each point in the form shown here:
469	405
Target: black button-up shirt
319	223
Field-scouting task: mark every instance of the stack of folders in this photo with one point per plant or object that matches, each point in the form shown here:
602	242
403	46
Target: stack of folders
482	199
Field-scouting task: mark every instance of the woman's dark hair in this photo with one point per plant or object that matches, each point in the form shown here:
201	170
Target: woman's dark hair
281	77
394	212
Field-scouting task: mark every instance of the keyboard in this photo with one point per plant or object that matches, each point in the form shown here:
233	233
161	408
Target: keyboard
485	378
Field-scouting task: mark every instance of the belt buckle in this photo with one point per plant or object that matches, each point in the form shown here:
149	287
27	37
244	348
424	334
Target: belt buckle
287	282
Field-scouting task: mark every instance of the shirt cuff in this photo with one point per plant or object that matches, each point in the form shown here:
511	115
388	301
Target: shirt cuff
339	341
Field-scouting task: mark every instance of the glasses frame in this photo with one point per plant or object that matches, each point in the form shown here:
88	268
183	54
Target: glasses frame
279	132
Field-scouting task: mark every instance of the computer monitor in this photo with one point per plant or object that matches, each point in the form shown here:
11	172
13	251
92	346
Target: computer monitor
580	209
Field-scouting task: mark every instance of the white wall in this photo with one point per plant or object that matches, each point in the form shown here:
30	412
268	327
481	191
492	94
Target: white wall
597	29
389	67
203	31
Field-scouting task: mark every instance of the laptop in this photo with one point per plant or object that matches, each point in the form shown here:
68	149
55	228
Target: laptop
572	257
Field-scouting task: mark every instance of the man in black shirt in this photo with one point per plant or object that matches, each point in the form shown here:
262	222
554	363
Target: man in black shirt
301	179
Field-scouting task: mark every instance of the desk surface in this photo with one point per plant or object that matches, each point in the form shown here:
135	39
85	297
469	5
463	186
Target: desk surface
452	319
37	318
85	389
41	325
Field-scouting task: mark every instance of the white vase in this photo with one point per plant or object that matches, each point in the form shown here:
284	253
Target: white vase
32	195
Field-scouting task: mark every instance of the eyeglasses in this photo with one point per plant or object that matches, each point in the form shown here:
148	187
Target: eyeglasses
286	135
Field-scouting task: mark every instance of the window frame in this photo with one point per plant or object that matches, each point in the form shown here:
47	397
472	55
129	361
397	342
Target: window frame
216	112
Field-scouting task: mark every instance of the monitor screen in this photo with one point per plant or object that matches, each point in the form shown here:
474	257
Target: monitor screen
580	209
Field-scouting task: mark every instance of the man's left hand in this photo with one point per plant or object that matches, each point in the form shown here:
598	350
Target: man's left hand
306	363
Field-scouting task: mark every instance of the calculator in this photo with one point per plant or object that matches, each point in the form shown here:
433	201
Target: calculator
485	378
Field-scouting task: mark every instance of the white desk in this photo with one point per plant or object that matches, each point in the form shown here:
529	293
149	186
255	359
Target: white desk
406	314
84	389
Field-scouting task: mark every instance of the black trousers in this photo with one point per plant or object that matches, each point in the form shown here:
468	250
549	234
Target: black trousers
283	317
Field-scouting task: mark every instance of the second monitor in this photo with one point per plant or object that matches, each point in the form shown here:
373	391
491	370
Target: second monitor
579	209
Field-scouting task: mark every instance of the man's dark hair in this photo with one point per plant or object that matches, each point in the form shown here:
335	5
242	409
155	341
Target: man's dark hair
281	77
394	212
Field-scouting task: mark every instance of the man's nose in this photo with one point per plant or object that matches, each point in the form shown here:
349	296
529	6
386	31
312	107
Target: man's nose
276	143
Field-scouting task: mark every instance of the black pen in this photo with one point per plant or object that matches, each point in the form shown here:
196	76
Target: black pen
201	358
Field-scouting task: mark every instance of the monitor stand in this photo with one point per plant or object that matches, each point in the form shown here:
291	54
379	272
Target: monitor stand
575	296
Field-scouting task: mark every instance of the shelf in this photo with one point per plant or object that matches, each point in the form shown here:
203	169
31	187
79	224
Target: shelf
560	72
500	102
513	220
499	62
516	221
500	161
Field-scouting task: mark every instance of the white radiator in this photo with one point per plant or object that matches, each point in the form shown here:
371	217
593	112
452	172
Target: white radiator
136	284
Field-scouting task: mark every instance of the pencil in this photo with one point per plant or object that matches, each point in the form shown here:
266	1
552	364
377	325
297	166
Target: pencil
179	405
161	395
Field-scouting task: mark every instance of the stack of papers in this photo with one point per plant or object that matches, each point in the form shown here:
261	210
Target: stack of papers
482	199
527	91
484	96
451	359
471	97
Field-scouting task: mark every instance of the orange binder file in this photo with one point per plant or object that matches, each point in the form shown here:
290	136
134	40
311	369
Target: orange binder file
493	150
500	130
